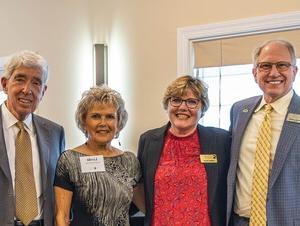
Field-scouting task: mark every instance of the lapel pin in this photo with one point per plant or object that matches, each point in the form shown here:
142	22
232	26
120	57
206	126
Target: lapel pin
245	110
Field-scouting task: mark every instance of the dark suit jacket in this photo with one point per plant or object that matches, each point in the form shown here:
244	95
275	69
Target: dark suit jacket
51	141
213	141
283	198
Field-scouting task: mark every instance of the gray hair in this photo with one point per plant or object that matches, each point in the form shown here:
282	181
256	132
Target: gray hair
100	95
287	44
28	59
181	84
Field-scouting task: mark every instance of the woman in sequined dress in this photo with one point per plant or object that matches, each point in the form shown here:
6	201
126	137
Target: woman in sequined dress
95	182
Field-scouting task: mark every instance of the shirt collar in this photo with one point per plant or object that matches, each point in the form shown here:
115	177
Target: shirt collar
279	105
10	120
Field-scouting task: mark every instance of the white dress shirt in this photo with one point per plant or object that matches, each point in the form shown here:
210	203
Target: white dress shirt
11	130
245	166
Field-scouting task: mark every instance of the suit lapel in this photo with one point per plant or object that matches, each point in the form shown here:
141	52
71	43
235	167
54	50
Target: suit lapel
288	134
155	145
4	164
240	121
206	142
42	134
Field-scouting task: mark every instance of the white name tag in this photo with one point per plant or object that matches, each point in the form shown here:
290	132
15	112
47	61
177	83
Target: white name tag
293	118
92	164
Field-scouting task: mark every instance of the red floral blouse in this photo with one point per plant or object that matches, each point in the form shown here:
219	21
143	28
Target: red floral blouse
180	184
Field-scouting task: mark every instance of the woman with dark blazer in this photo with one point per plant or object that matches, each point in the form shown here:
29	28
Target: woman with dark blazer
184	165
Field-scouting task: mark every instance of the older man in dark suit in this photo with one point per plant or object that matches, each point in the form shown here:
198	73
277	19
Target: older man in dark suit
265	142
22	203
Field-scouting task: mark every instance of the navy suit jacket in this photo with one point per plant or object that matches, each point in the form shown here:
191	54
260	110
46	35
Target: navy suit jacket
212	141
283	198
51	142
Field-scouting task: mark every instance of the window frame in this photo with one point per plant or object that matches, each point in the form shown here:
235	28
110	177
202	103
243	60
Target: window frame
233	28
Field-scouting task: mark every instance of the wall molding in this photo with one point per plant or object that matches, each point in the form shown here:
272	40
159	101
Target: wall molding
254	25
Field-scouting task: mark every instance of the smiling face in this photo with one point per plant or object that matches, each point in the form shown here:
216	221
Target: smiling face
24	90
101	124
275	84
183	119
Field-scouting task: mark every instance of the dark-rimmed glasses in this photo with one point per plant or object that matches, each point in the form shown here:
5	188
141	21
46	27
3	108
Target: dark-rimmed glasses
281	66
190	103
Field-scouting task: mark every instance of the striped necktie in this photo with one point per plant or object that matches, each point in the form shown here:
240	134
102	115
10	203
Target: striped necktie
258	216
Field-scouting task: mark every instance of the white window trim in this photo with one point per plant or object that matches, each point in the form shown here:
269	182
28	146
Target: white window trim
255	25
2	62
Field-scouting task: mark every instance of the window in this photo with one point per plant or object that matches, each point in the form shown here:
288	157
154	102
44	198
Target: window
2	97
2	94
226	85
228	71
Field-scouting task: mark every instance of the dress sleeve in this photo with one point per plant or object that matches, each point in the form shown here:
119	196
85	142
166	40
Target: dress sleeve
137	173
134	169
62	173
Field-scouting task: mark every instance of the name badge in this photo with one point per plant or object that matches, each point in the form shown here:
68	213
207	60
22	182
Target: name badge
293	118
210	158
91	164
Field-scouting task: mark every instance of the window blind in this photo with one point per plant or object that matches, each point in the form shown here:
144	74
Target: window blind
237	50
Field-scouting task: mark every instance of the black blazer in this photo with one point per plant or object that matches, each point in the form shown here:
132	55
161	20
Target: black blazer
212	141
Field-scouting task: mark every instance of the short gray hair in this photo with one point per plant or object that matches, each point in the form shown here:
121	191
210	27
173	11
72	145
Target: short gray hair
100	95
28	59
287	44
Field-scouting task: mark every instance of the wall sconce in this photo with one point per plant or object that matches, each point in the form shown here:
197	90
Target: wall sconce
100	64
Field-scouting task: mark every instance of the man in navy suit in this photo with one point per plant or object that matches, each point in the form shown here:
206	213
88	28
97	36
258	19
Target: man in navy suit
24	81
274	71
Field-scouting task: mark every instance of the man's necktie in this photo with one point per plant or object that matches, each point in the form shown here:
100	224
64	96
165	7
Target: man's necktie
26	198
260	178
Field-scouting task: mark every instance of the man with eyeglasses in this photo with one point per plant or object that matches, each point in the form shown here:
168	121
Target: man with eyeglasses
264	174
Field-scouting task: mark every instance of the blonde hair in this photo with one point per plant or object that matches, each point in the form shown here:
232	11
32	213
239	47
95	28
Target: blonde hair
99	95
181	84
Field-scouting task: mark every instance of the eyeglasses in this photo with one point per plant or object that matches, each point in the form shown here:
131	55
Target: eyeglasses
267	66
190	103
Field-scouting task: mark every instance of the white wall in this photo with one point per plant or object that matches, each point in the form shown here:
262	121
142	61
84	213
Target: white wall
141	36
61	32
